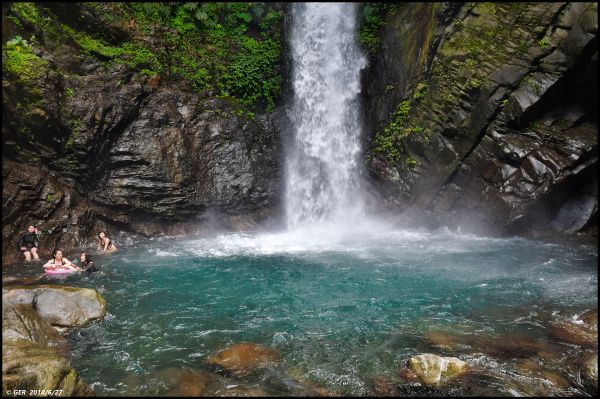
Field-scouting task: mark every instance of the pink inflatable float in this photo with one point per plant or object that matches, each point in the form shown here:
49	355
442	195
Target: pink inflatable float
59	271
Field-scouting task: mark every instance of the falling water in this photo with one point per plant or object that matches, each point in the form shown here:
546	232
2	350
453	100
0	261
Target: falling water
323	159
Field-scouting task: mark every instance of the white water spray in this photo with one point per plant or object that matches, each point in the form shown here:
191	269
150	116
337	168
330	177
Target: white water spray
322	163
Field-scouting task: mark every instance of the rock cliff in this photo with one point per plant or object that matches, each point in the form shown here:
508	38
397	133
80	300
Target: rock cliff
483	116
98	143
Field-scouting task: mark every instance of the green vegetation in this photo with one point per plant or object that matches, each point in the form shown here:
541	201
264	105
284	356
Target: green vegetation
486	8
27	11
420	91
388	140
371	20
76	127
21	61
543	43
49	197
227	49
411	162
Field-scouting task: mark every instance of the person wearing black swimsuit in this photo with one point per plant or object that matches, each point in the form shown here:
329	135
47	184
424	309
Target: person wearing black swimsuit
105	243
29	243
87	265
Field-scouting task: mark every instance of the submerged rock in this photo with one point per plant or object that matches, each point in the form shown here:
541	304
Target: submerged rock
432	368
384	387
507	346
243	359
192	383
12	280
240	391
60	305
579	331
589	370
27	365
534	369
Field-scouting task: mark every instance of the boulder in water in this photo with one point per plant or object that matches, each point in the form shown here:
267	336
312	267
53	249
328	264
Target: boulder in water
61	306
243	359
431	368
27	365
21	322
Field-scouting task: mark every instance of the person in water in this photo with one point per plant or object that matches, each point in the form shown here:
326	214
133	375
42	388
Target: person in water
29	243
87	265
105	243
58	262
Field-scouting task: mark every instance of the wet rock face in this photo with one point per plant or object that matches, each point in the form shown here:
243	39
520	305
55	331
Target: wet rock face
244	359
66	219
501	135
181	156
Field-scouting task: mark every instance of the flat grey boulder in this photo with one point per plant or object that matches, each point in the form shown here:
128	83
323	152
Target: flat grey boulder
61	306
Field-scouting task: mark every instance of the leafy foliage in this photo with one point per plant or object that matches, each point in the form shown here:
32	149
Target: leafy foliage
389	140
371	20
21	61
227	49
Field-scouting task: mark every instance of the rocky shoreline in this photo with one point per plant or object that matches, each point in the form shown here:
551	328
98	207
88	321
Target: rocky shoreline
33	346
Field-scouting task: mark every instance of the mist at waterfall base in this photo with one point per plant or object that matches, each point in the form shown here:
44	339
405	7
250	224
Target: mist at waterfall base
344	297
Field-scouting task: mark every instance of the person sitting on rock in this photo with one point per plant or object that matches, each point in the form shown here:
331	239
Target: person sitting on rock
87	265
105	243
58	262
29	243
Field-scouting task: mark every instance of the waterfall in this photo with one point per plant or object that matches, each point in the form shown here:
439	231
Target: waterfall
323	158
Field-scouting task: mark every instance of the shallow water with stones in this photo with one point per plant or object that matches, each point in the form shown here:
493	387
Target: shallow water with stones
345	312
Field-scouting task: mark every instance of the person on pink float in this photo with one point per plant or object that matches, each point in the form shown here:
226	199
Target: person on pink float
59	264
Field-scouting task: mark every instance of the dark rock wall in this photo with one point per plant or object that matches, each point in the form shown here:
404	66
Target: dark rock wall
502	132
91	146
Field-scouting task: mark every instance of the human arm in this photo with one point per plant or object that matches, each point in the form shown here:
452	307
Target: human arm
88	267
49	264
106	243
20	243
36	240
70	264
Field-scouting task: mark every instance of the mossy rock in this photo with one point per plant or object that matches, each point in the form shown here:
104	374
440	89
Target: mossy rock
21	322
27	365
